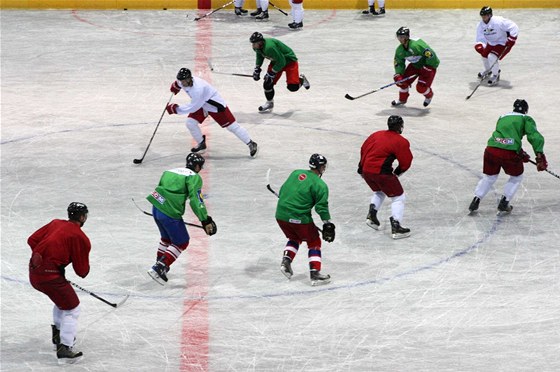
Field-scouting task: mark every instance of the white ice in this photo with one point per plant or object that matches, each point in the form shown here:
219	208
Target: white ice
81	95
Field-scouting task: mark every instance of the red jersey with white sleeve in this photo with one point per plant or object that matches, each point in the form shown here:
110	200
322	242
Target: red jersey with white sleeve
496	31
56	245
381	149
201	93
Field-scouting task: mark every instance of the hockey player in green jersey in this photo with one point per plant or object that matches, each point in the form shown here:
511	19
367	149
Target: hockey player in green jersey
282	59
303	190
423	65
168	206
504	150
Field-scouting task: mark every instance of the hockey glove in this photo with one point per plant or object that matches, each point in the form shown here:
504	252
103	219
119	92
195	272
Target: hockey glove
542	164
172	108
398	171
524	156
209	226
360	170
399	77
479	47
257	73
175	88
511	41
328	232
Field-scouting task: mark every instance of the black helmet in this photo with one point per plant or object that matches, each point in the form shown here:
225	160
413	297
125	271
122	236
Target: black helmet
183	74
486	10
521	106
76	210
395	123
316	160
256	37
194	160
403	31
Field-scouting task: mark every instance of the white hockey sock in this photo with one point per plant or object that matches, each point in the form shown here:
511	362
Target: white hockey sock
69	326
484	185
377	199
297	12
238	3
491	59
370	2
397	207
57	317
193	127
263	5
240	132
381	3
512	185
486	64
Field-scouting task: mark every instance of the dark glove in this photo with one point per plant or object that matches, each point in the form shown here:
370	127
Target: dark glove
175	88
328	232
209	226
257	73
398	171
172	108
524	156
399	77
542	164
360	170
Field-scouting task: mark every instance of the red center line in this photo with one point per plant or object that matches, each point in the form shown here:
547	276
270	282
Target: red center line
195	330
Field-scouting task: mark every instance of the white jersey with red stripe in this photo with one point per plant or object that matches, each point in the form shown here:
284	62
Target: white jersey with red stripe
200	92
496	31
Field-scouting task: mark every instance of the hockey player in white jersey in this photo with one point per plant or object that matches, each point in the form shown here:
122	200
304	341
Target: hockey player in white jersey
495	36
205	100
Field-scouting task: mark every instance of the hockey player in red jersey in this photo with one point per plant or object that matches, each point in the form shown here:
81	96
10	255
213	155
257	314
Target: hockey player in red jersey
378	153
495	36
55	246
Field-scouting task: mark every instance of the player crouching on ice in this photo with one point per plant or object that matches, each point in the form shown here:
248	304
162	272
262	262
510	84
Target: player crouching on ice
423	64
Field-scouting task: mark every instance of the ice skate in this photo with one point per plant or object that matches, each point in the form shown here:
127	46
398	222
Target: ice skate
55	335
474	204
158	272
427	102
253	149
397	103
286	267
483	75
240	11
381	11
262	16
371	11
371	219
66	355
304	82
256	12
267	107
201	146
295	25
397	231
493	80
319	279
504	207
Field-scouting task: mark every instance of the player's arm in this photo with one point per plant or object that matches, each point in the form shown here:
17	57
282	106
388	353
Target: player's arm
80	248
37	236
194	190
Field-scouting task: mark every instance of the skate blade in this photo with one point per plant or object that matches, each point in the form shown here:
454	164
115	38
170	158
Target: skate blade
265	111
503	213
286	273
66	361
156	277
372	225
315	283
400	236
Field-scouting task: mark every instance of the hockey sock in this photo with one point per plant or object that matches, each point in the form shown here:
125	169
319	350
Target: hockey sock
377	199
493	60
315	259
269	94
291	249
403	94
397	207
484	185
297	12
511	186
173	252
57	316
69	326
162	248
239	132
194	129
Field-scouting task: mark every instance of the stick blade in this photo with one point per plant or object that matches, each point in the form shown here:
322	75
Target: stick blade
122	301
137	161
347	96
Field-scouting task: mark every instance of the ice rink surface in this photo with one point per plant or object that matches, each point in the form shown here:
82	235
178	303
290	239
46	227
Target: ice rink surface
82	92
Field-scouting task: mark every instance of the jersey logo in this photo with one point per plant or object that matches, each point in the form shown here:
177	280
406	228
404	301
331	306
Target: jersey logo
428	53
504	141
158	197
302	177
200	197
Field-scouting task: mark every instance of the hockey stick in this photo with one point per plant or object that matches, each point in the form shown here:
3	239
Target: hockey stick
214	11
347	96
225	73
149	214
115	305
275	193
138	161
486	73
280	10
546	170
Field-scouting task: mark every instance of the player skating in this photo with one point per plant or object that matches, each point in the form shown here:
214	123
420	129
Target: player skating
282	59
503	151
262	10
495	36
205	100
376	167
303	190
372	11
168	206
423	62
55	246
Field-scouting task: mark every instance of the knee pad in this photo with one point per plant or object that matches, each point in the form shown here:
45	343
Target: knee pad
421	88
293	87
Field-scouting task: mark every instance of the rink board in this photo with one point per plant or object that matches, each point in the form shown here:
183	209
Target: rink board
284	4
